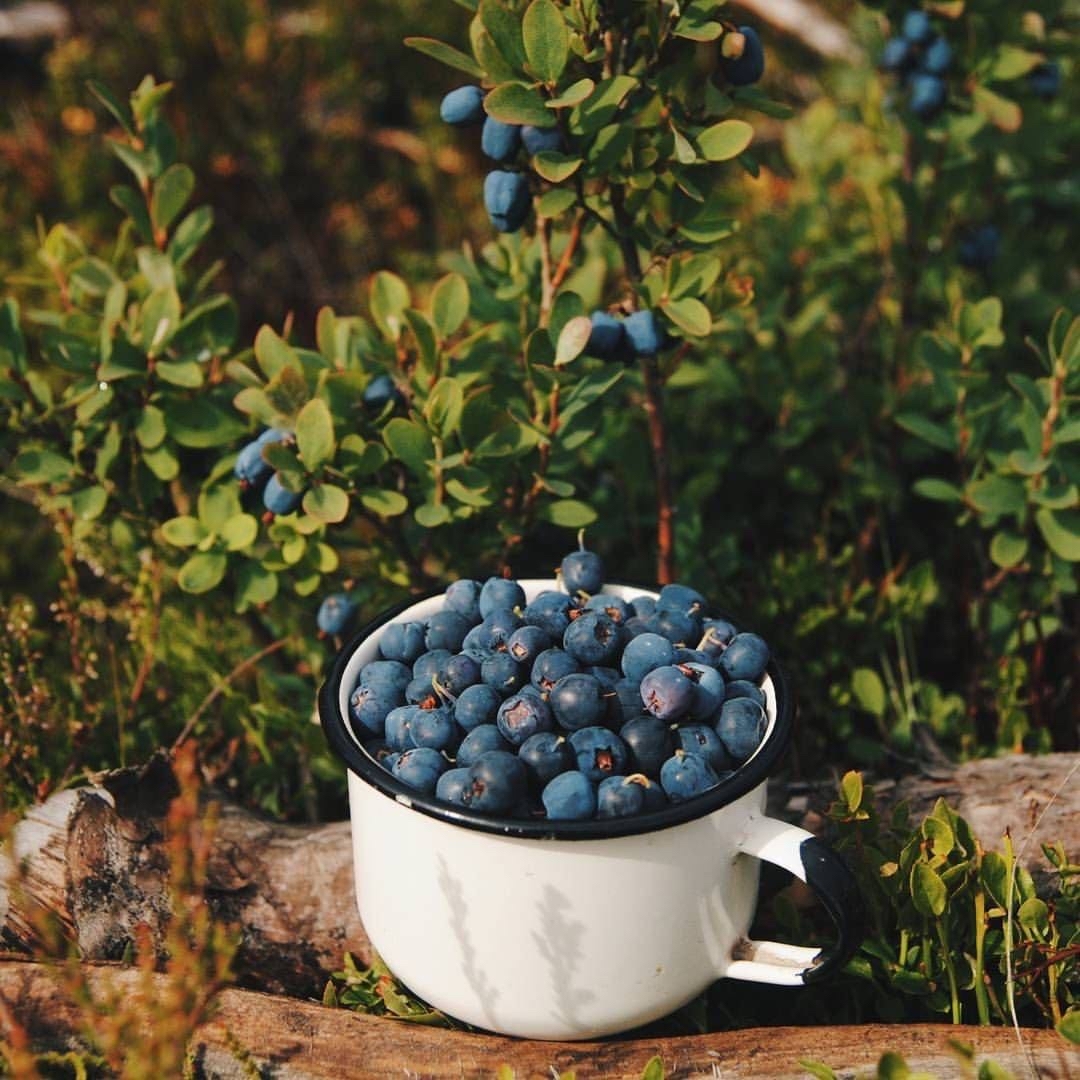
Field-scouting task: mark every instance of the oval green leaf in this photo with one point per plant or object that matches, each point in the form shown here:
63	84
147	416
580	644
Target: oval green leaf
928	890
183	531
725	140
202	572
450	303
327	503
516	103
315	435
385	503
573	338
546	38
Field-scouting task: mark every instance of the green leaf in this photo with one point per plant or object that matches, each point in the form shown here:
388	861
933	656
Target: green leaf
817	1069
158	319
388	300
573	338
186	373
162	462
409	443
274	353
315	435
1011	62
189	235
556	202
930	487
695	27
685	153
546	38
201	424
725	140
385	503
504	27
1004	114
202	572
444	404
996	494
1069	1027
574	94
851	786
516	103
150	427
689	315
183	531
170	195
446	54
1061	531
869	690
450	304
12	343
89	503
120	112
654	1069
555	167
922	427
432	515
42	467
1033	915
600	107
327	503
891	1066
569	513
240	531
470	496
928	890
286	393
1007	549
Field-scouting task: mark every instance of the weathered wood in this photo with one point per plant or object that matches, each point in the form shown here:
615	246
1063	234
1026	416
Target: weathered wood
296	1040
95	858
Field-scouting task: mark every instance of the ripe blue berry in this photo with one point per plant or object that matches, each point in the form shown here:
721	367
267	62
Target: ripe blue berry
926	95
506	199
644	333
500	141
569	797
427	665
702	740
434	728
523	715
685	775
551	666
582	572
526	643
599	752
681	598
577	701
741	724
536	140
446	630
593	638
916	27
607	339
497	782
459	673
1045	80
370	705
380	392
477	705
550	611
896	55
614	607
463	107
546	754
463	596
746	657
479	741
277	499
621	796
667	693
398	727
709	688
650	742
403	641
500	594
937	57
335	613
453	786
646	653
744	688
386	672
748	68
420	768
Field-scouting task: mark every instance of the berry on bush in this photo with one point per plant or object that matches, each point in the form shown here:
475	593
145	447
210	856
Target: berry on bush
749	65
463	107
506	199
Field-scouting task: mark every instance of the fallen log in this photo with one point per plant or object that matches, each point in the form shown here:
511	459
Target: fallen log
95	858
296	1040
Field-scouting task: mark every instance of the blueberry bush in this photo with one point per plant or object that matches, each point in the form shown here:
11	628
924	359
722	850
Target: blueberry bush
799	332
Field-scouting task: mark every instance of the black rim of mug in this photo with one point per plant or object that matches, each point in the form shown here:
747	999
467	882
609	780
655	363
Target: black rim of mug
340	738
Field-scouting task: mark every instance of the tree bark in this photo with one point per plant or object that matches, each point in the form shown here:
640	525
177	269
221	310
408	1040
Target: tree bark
296	1040
95	859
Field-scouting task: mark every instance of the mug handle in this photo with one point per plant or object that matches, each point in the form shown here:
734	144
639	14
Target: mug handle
814	862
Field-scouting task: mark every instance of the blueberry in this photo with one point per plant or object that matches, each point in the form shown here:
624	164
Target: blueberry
463	107
506	199
582	572
681	598
643	605
634	627
979	249
896	55
370	705
380	392
463	596
667	693
937	57
626	704
385	672
550	666
428	665
398	726
916	27
926	95
683	655
446	630
593	638
421	692
453	786
607	339
620	796
685	775
420	768
403	641
748	68
523	715
500	141
546	754
577	701
434	728
746	657
479	741
493	634
716	635
458	674
388	761
526	643
477	705
741	724
335	613
645	653
644	333
702	740
569	797
678	627
277	499
709	689
599	752
536	140
744	688
650	742
497	782
550	611
500	594
613	606
251	467
503	672
1045	80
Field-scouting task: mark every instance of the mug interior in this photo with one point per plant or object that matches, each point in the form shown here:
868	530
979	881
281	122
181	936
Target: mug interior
364	647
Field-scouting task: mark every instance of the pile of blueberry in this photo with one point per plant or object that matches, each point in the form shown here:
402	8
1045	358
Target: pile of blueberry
572	706
922	58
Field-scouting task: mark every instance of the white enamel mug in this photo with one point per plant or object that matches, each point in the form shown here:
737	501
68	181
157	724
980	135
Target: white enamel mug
572	930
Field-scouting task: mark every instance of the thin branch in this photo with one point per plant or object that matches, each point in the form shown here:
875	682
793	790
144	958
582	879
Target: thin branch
547	284
572	244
